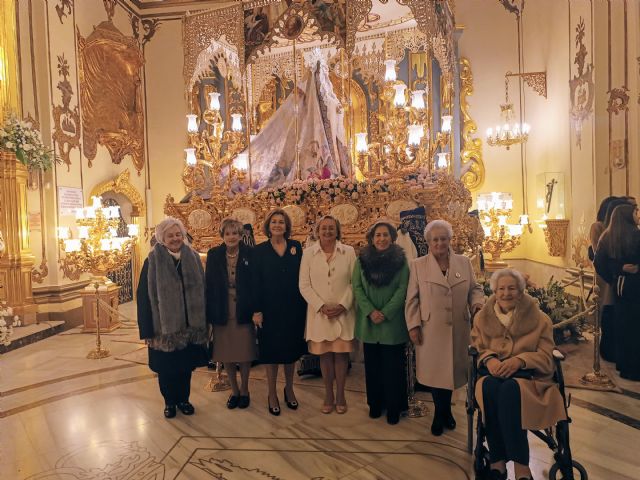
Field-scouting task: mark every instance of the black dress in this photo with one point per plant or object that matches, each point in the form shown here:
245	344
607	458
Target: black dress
626	287
277	296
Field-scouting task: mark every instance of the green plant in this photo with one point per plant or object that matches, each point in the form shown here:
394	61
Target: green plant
558	305
19	137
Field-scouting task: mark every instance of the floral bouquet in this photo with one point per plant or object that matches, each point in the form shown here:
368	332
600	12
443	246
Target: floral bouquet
21	138
6	328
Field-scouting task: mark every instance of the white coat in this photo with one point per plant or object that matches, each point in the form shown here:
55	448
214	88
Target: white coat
328	283
440	306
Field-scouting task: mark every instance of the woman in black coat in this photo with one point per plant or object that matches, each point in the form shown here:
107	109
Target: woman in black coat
171	314
618	263
279	309
230	309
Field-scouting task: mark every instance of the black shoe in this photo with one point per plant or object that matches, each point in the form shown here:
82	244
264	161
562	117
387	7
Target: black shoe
169	411
497	475
233	402
393	418
437	427
375	412
450	422
273	410
244	401
211	365
186	408
292	405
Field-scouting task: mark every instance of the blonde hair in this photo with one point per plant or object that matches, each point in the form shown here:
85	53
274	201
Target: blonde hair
166	224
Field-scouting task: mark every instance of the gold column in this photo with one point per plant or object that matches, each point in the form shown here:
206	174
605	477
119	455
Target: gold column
9	79
17	261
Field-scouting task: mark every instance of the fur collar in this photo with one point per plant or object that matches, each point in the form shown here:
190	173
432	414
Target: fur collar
526	318
379	268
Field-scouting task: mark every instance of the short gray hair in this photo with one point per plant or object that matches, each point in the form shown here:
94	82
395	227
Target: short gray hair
231	223
507	272
166	224
438	224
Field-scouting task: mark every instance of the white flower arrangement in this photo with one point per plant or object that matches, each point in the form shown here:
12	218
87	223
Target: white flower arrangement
21	138
7	321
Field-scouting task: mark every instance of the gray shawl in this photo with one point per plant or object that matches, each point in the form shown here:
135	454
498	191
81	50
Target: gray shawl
167	298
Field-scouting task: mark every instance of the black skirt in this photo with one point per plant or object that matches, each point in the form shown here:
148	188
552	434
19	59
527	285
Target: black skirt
184	360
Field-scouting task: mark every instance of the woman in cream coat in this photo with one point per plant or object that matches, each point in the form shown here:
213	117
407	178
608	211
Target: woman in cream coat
441	297
325	283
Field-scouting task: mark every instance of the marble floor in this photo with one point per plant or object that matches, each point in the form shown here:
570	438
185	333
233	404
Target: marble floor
65	417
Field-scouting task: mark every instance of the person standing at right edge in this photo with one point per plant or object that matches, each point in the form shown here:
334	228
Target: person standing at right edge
442	295
279	309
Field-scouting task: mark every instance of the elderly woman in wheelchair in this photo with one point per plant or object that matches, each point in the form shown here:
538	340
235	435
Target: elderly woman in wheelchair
513	349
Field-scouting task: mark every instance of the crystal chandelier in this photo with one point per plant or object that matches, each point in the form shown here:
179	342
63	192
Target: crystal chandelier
405	140
97	249
506	133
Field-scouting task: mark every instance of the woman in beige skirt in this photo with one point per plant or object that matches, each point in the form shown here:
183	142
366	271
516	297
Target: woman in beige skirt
325	283
230	308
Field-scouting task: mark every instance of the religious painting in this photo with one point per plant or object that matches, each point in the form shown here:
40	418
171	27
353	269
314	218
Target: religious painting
111	92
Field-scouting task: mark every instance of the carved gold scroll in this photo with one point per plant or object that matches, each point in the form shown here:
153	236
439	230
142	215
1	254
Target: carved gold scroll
111	92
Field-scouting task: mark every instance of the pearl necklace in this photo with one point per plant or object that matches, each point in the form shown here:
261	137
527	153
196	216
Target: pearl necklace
232	256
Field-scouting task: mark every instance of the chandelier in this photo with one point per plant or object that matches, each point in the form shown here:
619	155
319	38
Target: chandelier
506	133
500	237
97	249
406	139
214	148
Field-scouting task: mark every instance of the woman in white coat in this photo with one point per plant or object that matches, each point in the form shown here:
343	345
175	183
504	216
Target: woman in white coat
441	297
325	283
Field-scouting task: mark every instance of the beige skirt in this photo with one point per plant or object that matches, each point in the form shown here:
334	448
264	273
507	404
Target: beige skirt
334	346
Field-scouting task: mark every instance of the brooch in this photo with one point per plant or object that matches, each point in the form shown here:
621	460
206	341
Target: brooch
246	262
293	250
457	275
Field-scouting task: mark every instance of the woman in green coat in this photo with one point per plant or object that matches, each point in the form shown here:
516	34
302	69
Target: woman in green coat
380	280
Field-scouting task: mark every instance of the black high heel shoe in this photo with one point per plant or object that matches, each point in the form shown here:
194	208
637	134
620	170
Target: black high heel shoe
273	410
437	427
292	405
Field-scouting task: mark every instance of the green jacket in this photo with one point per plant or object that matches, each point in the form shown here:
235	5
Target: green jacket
389	300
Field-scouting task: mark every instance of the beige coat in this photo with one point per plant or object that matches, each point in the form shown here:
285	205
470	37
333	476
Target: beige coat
529	338
322	282
440	306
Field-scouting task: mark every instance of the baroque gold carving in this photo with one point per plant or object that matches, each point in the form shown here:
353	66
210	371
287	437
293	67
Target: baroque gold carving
537	81
618	100
40	273
64	8
357	11
110	7
149	28
121	184
66	129
443	197
581	244
556	236
582	85
472	164
111	92
200	29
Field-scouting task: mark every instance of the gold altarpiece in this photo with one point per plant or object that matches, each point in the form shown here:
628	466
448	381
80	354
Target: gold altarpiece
256	70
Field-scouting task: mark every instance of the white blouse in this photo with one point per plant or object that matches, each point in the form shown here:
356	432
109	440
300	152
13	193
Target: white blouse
328	282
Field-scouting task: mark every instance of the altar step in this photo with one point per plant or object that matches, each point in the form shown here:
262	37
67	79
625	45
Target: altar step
29	334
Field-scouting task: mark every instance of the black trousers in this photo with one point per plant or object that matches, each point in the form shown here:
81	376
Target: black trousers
175	386
503	421
385	377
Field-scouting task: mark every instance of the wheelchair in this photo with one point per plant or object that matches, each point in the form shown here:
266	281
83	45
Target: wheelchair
556	438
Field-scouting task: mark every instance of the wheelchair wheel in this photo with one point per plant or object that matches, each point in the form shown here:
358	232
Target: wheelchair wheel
578	472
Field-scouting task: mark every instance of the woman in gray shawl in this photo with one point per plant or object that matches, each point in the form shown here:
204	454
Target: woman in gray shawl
171	314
